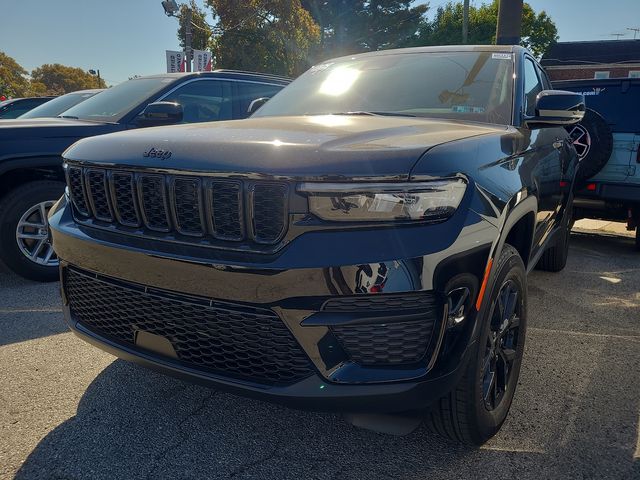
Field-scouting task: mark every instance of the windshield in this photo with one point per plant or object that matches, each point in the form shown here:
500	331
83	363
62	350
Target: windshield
114	103
55	107
473	86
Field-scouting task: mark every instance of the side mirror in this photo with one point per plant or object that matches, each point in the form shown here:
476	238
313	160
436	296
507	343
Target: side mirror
160	113
256	104
557	108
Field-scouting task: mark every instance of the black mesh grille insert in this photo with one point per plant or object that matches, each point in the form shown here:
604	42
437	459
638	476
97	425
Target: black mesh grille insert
98	194
187	204
386	344
269	214
76	189
384	302
124	199
231	340
154	202
225	199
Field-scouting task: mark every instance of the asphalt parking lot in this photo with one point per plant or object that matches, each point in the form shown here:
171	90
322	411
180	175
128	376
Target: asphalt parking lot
69	411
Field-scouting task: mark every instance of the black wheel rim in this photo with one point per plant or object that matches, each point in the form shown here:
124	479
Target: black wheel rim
502	345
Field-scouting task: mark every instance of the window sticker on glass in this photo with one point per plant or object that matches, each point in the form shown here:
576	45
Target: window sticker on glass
501	56
467	109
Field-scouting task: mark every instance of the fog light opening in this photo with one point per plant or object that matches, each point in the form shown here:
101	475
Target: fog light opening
458	301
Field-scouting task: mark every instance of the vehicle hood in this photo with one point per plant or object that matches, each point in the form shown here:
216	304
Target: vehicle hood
45	136
326	146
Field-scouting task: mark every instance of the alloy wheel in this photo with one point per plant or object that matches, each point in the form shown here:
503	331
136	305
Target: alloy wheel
581	140
32	235
502	344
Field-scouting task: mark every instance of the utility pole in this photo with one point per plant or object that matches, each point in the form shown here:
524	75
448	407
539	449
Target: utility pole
188	37
509	26
465	23
635	32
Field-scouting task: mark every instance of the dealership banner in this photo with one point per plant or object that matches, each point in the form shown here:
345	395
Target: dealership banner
201	61
175	61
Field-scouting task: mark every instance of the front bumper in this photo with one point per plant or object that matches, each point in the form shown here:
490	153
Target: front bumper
293	287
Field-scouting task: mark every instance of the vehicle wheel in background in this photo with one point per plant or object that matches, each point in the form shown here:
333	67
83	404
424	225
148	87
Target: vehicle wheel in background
593	140
476	408
24	230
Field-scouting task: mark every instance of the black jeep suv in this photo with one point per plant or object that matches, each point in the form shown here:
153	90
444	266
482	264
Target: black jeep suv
360	244
31	175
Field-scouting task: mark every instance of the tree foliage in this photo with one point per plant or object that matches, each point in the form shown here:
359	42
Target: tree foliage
539	31
353	26
200	29
13	80
264	35
59	79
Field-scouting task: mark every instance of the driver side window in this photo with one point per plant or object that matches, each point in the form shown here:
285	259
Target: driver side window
532	87
204	101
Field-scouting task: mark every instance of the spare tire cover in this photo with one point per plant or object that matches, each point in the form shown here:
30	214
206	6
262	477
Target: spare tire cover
593	141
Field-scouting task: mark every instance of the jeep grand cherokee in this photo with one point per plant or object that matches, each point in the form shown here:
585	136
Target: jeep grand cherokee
360	244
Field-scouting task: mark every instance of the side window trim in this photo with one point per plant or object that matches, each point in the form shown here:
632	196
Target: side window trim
528	58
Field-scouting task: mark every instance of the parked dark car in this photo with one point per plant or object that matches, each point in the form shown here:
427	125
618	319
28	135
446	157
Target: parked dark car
10	109
31	176
608	141
59	105
360	244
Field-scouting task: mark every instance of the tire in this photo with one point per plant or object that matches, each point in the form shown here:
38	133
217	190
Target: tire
554	258
14	207
593	141
468	414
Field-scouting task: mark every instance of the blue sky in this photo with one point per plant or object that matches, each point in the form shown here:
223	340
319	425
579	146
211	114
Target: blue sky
128	37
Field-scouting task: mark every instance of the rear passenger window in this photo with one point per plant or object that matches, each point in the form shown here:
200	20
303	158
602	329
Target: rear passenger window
248	92
532	87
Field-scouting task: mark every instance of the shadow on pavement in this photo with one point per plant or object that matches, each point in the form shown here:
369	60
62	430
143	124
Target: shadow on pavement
575	414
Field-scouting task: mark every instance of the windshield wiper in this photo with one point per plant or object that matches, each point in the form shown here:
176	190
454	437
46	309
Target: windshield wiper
375	114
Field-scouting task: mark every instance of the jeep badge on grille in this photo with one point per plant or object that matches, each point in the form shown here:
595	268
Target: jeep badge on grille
161	154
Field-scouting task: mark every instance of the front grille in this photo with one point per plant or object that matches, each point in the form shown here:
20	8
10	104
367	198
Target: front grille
232	340
186	208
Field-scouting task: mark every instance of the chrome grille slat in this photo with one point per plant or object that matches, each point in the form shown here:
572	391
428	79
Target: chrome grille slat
187	208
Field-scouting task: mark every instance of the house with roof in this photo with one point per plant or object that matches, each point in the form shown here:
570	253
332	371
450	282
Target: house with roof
593	59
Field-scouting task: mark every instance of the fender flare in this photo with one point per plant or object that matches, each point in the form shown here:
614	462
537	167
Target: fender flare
43	160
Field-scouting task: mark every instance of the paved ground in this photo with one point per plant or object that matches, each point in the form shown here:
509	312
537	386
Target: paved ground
69	411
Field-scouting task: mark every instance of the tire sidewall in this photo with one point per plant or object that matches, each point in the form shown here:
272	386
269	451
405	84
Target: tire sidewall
12	207
488	422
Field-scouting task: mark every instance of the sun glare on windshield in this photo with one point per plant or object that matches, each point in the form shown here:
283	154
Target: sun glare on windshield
339	81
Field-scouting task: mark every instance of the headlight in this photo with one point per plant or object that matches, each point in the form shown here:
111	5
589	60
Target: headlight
383	202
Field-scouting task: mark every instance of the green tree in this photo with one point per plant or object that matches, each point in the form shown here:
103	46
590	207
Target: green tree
353	26
200	29
263	35
13	80
539	31
60	79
